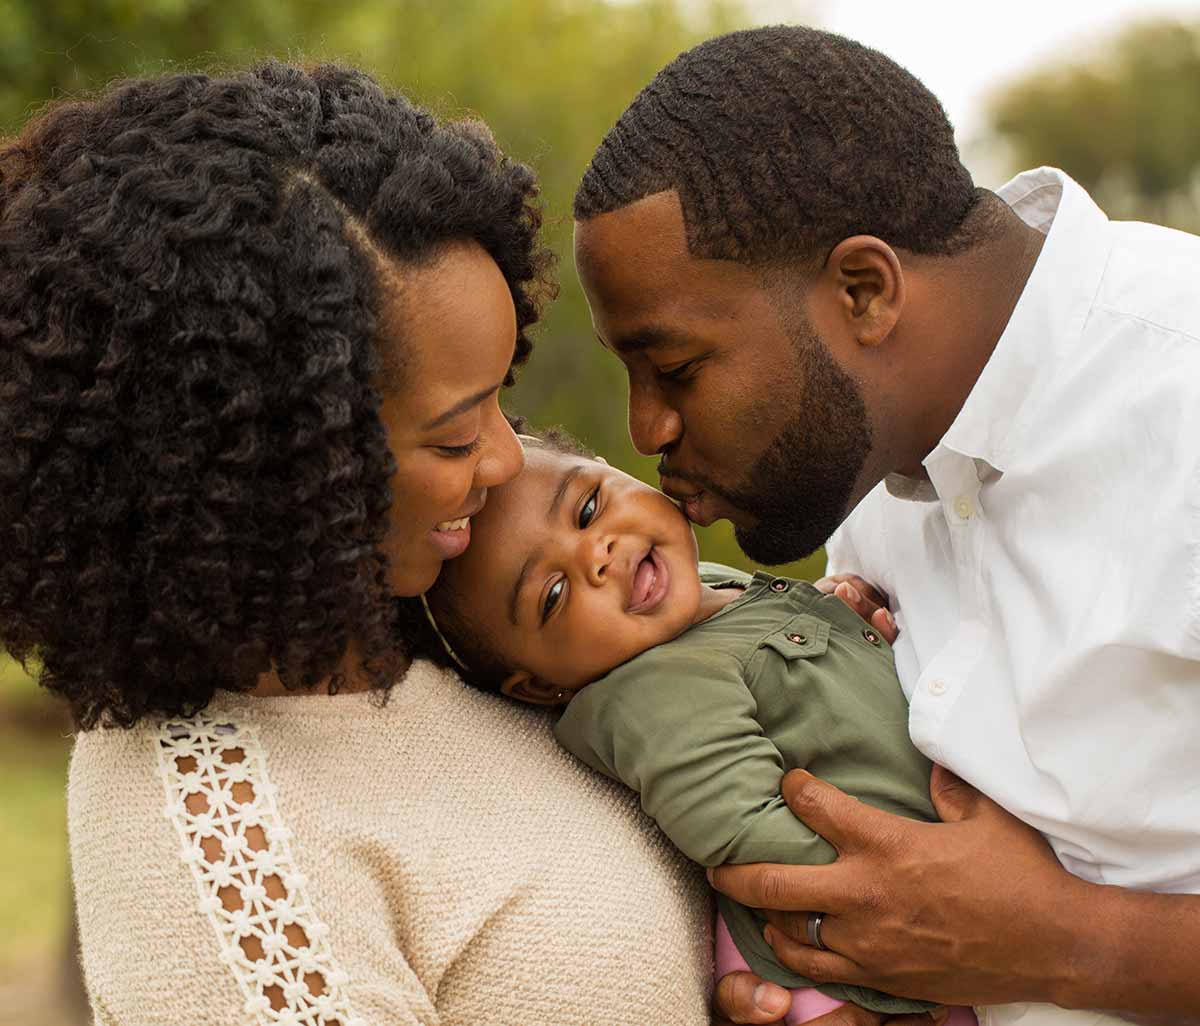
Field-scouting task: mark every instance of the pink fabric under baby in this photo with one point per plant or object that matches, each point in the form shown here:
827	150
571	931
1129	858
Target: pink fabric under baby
807	1002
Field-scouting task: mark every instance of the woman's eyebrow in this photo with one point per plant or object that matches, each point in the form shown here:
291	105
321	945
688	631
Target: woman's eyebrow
460	407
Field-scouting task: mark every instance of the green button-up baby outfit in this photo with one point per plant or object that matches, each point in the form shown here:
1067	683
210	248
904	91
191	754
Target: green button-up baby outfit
704	726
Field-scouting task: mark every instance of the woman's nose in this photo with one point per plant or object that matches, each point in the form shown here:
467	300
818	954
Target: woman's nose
503	455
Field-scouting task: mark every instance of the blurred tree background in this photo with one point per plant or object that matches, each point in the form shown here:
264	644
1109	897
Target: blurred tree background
549	77
1121	121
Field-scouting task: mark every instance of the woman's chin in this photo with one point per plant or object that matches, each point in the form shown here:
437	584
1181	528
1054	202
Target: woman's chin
414	577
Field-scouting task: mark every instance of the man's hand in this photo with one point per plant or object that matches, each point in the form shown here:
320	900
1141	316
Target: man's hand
746	998
865	599
973	910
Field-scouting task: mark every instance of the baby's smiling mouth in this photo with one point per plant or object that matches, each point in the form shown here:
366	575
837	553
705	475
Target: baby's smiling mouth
650	582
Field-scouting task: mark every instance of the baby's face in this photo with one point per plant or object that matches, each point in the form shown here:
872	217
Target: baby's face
575	567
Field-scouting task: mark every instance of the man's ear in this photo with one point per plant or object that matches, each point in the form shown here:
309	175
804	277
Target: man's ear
525	687
870	287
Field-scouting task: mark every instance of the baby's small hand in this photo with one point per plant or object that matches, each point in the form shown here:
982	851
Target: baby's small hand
865	599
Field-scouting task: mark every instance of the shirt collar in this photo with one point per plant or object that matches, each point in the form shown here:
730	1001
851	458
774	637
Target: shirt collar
1047	320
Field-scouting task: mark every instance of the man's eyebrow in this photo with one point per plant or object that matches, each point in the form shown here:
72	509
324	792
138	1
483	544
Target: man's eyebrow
641	340
460	407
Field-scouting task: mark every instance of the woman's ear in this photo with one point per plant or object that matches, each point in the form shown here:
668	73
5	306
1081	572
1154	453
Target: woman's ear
870	287
525	687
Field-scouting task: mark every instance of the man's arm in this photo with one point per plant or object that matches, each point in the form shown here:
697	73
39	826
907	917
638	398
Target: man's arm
973	910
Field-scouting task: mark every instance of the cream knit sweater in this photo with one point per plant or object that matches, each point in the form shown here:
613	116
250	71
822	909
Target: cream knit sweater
320	860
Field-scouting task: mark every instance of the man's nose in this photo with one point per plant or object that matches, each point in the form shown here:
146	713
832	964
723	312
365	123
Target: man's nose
653	425
596	556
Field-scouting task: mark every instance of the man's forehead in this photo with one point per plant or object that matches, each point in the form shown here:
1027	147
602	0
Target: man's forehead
640	277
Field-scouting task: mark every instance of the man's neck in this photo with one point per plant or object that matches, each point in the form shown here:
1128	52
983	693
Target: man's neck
969	300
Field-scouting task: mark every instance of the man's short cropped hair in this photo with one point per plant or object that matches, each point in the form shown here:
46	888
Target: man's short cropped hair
781	142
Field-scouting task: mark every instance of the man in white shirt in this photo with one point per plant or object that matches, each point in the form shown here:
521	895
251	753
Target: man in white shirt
822	320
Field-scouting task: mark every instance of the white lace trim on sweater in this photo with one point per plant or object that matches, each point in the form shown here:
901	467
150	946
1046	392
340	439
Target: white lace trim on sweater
223	806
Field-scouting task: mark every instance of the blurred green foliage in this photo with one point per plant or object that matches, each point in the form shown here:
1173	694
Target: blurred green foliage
1121	121
549	76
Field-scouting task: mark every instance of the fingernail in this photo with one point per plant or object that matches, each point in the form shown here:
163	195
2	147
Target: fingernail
824	584
769	935
939	1015
771	998
852	593
891	620
709	873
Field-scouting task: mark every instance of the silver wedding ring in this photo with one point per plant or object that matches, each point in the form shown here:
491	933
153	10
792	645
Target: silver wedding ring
814	930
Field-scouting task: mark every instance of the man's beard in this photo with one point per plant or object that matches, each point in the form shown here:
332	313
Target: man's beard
799	489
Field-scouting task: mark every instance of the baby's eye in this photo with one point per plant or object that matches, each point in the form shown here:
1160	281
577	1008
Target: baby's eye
588	513
552	597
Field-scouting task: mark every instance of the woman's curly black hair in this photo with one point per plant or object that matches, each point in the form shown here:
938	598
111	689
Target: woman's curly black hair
194	480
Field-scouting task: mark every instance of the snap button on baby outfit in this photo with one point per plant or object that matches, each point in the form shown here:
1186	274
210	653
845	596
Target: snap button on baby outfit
871	636
778	585
798	639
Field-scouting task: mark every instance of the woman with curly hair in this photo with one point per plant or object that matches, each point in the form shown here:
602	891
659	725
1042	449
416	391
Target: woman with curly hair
252	334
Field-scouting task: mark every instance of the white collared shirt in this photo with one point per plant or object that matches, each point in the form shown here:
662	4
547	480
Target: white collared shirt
1047	582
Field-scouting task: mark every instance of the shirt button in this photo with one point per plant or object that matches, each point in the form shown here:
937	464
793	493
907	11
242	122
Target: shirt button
964	507
798	639
937	686
778	585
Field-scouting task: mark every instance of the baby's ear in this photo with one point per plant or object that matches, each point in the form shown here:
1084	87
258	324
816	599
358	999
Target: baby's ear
525	687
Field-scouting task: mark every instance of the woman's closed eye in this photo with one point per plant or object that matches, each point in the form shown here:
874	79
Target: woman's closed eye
457	451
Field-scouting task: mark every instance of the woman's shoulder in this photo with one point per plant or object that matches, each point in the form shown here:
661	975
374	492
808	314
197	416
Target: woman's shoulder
408	850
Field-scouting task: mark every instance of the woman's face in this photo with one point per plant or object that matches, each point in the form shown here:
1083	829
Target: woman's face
449	330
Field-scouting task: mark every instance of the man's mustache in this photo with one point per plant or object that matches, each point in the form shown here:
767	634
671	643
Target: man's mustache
697	481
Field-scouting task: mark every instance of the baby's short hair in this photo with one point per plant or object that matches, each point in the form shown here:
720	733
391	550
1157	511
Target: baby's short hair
462	646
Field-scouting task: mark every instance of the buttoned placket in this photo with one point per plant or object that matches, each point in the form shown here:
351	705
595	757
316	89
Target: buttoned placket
956	480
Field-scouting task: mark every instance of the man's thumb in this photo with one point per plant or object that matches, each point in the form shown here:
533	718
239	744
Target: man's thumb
953	798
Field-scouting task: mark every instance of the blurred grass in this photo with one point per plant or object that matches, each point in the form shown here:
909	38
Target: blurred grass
34	747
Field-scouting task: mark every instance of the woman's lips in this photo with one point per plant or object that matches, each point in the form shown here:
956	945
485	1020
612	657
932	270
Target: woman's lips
452	537
651	581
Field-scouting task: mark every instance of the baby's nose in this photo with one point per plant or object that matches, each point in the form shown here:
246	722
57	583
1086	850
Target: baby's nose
599	556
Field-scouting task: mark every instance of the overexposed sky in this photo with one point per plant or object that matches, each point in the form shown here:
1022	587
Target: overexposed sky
964	50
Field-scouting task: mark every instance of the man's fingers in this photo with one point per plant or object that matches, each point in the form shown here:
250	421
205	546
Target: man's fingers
853	1015
844	822
829	584
746	998
790	888
934	1017
856	600
953	798
795	926
883	621
820	966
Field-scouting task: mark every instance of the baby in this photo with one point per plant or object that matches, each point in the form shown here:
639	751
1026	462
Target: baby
698	686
